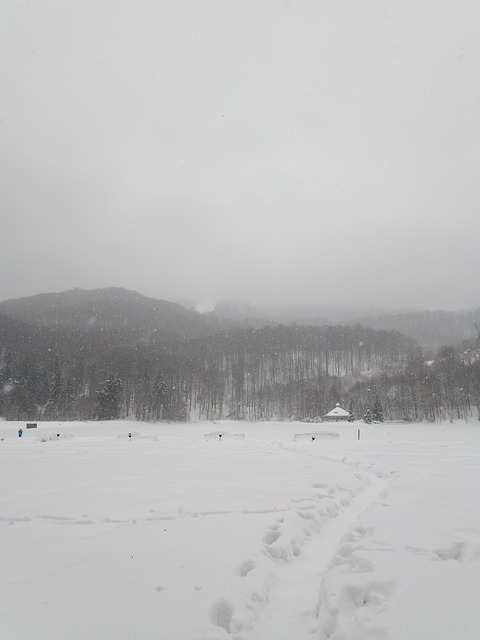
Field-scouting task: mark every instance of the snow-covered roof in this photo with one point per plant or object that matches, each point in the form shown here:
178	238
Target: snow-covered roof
338	411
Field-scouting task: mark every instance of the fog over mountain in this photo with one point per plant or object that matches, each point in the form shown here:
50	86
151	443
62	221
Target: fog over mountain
287	153
109	353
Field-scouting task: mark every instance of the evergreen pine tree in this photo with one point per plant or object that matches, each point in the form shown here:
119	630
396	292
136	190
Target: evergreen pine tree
351	416
377	413
7	385
368	416
108	399
53	408
159	396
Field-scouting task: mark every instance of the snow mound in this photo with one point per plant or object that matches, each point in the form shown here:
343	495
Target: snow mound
316	435
137	435
51	437
224	435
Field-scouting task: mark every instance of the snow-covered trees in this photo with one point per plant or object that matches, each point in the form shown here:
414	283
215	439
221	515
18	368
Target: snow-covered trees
351	415
109	399
277	372
377	413
367	418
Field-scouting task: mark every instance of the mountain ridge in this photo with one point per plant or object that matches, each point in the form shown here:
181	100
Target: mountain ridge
146	317
113	307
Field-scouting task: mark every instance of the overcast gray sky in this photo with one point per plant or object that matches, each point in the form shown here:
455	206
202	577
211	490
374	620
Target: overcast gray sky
314	152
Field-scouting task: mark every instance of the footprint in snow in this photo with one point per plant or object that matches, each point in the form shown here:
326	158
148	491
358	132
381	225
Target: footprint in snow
221	613
245	568
358	533
459	551
270	537
306	515
320	485
353	562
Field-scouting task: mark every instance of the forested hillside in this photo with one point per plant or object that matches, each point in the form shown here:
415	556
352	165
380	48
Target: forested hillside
129	312
103	355
431	329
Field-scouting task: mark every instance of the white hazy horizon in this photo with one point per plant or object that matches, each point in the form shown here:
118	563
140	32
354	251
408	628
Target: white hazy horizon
282	153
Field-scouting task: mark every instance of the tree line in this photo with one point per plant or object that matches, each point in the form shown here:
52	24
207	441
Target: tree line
273	372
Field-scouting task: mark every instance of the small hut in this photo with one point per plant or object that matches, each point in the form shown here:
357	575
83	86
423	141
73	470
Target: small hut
336	415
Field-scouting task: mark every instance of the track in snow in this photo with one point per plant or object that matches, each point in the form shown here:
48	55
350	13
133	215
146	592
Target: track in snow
292	609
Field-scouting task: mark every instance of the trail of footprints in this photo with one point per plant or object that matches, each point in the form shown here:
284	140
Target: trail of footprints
348	598
353	591
282	542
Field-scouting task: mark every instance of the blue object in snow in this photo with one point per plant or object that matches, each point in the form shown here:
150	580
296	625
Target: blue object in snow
20	432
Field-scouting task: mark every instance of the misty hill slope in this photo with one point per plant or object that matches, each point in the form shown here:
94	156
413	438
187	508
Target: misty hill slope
431	329
111	308
138	318
259	374
16	333
112	352
42	345
300	314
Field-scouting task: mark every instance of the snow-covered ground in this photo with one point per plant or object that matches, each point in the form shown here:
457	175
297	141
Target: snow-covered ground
169	535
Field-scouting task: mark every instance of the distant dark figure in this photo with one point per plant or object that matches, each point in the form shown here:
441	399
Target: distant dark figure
220	436
130	436
313	438
20	432
58	436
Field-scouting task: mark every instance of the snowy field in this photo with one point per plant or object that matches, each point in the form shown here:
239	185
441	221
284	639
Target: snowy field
171	535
